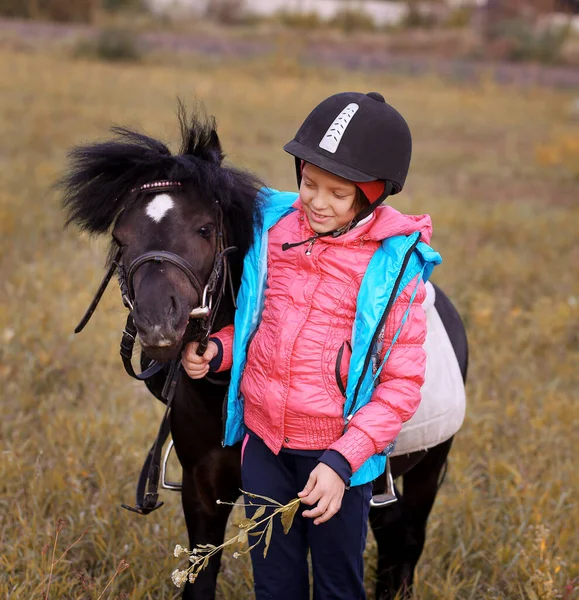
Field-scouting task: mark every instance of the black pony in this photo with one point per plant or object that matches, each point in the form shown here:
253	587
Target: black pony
174	221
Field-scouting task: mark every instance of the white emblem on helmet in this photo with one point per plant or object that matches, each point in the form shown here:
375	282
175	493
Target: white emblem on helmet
333	136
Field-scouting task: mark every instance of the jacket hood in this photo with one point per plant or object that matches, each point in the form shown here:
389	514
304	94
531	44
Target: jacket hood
388	222
385	222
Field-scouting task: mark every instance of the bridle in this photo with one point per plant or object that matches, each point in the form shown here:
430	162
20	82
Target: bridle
210	296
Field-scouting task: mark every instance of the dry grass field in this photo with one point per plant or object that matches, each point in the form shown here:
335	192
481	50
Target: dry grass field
498	170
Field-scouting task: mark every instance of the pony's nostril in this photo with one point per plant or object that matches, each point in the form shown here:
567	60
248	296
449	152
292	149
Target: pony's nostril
173	304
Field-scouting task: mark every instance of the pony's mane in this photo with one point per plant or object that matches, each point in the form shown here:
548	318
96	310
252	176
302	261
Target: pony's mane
102	177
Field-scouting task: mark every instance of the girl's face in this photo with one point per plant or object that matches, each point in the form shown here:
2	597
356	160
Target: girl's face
327	200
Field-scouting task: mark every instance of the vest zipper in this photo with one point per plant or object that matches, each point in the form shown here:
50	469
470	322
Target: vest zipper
225	402
339	381
311	245
310	240
224	405
381	325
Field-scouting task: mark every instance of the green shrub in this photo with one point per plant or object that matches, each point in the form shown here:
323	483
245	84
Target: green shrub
112	44
353	20
301	20
14	8
524	41
226	12
55	10
418	18
123	5
459	17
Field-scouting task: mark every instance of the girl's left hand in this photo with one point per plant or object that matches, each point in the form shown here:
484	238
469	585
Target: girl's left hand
325	487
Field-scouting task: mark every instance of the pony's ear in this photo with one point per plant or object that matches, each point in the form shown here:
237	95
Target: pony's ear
201	140
213	149
199	136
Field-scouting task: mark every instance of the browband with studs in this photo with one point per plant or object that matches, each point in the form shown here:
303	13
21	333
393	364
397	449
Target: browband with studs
155	185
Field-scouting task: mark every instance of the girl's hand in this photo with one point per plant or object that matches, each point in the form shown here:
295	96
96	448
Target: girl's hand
198	366
325	487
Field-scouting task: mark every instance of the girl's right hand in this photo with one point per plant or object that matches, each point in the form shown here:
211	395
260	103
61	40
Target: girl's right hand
198	366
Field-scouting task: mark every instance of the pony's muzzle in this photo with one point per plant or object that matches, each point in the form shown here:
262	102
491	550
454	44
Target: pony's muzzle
157	338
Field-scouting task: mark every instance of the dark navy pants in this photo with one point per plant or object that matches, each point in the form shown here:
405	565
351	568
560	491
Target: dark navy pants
336	546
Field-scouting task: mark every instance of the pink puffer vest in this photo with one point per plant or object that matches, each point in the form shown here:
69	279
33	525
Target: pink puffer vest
298	359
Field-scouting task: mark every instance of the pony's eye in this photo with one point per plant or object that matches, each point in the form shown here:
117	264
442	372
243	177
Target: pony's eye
205	231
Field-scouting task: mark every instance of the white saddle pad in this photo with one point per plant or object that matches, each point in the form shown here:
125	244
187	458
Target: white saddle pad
441	411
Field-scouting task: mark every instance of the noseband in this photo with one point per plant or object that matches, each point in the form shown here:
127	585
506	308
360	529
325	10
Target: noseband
160	257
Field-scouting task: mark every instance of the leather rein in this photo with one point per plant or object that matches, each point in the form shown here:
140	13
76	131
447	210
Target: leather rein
210	294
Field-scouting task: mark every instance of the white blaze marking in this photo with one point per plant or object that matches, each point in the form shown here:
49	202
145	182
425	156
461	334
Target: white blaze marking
333	137
159	206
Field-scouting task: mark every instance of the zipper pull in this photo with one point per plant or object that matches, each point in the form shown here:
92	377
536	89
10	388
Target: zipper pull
309	248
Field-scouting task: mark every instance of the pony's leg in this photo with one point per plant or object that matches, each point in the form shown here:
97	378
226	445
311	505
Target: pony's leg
203	528
205	519
400	529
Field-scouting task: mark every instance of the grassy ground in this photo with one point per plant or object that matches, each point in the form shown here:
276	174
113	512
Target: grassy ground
496	168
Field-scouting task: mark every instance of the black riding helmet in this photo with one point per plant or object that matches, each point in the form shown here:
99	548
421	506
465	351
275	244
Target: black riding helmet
358	137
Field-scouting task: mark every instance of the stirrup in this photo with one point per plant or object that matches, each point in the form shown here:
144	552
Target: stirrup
388	496
144	510
168	485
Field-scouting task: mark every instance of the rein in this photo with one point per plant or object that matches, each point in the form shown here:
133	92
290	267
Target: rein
211	295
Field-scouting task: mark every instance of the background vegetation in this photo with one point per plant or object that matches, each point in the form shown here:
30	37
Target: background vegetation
497	168
539	31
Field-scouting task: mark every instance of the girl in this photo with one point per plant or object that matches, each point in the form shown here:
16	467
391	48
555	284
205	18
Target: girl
326	352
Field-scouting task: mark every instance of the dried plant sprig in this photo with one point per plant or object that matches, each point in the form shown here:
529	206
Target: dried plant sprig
200	555
59	527
122	566
87	583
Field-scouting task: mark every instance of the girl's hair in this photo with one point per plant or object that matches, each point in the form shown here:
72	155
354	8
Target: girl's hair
360	201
